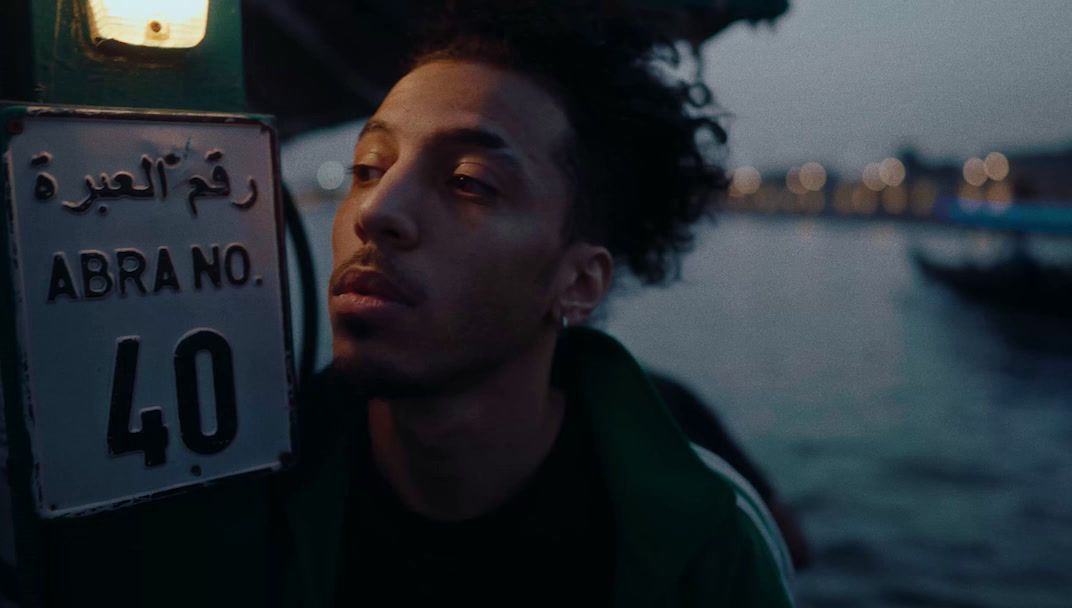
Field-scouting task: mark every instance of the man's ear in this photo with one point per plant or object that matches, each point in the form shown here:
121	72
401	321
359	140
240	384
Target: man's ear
589	272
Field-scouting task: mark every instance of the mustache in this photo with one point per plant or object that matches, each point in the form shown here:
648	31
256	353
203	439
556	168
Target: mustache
371	259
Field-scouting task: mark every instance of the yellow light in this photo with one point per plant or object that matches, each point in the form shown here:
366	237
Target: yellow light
813	176
873	177
173	24
996	166
975	172
745	181
792	181
891	171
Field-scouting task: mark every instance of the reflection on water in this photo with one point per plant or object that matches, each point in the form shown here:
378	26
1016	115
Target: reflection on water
926	443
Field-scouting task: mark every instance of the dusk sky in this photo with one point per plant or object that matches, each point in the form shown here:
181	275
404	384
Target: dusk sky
848	82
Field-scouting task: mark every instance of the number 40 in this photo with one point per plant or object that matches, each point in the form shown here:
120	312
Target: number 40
152	438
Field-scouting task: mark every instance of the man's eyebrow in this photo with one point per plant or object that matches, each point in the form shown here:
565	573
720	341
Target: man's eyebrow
474	137
466	136
373	125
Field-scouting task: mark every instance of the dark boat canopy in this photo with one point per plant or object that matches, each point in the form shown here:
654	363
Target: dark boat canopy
314	64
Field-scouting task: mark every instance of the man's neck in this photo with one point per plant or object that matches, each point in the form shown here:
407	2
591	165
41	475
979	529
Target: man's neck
461	456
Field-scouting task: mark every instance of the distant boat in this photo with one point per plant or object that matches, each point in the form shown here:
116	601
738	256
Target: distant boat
1019	279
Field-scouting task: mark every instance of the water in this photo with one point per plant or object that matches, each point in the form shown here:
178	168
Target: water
925	443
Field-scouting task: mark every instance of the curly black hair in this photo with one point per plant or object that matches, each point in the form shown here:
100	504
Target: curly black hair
637	157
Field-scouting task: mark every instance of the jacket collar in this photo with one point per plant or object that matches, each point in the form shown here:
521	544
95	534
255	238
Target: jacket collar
666	505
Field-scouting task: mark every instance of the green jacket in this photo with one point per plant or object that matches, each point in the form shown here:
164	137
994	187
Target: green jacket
690	531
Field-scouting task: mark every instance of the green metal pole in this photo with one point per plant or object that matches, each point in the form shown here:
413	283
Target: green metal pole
206	548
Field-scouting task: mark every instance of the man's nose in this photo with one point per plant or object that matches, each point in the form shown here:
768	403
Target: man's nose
387	209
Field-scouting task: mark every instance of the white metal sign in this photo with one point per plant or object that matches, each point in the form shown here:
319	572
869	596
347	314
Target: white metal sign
147	257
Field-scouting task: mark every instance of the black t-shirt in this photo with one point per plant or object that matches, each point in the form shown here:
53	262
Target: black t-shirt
551	544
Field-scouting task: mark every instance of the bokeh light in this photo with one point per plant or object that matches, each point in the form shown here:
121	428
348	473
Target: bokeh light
996	166
745	181
872	177
891	171
812	176
974	172
792	181
330	175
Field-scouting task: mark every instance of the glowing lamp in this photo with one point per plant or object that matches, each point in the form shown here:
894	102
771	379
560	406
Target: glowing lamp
171	24
975	172
812	176
745	181
996	166
891	171
793	183
872	177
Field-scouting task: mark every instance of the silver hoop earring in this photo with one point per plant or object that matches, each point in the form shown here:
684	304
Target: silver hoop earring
565	322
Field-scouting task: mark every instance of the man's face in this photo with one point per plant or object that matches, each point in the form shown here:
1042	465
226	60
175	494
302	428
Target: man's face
448	245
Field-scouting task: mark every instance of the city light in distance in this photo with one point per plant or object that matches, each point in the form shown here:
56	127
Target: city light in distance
891	171
812	176
975	171
996	166
872	177
745	181
793	183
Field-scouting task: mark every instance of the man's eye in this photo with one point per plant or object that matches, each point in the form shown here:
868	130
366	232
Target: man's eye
365	173
471	186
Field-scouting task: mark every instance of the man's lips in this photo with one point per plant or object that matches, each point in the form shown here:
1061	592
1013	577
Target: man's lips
371	284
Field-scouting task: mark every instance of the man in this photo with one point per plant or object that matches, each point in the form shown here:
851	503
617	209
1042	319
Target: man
469	443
